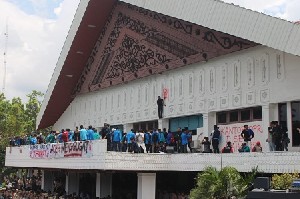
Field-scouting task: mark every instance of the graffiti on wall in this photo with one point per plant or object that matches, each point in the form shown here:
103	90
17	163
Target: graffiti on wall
60	150
232	133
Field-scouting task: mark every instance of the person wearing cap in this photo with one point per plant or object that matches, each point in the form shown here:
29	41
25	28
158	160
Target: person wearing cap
257	147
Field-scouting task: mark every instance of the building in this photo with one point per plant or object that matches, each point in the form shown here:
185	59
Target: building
213	62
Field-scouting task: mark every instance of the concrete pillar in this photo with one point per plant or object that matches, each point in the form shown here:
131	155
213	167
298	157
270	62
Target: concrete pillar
274	112
47	181
127	127
266	119
209	120
103	185
72	183
146	186
163	123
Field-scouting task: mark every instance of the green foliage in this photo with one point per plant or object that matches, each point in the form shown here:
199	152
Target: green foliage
17	119
283	181
214	184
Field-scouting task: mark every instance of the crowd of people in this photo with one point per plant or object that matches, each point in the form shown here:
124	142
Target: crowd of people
157	140
152	141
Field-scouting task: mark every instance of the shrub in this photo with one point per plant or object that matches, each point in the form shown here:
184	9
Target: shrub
283	181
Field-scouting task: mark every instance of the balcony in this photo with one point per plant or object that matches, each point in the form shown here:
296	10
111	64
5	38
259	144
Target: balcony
100	159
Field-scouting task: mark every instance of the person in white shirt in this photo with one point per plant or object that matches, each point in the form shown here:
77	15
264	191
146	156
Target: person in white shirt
140	140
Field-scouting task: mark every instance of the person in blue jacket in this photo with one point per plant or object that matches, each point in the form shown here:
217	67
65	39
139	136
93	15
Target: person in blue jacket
130	135
117	138
184	140
147	140
83	133
155	141
90	133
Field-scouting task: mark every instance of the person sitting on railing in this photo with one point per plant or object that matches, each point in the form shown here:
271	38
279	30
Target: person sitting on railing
244	148
206	145
228	148
257	147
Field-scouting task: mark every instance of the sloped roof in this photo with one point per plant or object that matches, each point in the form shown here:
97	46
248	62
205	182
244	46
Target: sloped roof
234	20
91	17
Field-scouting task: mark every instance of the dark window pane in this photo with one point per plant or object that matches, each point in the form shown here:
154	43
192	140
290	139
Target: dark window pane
222	118
150	126
282	114
136	126
257	113
295	123
234	116
245	115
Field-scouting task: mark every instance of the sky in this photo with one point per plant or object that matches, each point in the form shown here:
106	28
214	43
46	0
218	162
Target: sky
37	30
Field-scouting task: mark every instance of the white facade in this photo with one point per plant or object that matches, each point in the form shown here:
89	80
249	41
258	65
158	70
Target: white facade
258	76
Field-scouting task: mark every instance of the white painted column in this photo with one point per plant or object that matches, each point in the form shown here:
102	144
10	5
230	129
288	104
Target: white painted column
103	185
146	186
209	120
163	123
72	183
274	112
127	127
205	125
289	121
43	180
265	124
67	184
47	181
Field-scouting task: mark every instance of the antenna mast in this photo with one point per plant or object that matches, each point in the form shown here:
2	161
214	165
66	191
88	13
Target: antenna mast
4	56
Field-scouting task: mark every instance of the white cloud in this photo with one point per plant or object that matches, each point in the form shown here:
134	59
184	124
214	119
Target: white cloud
34	44
285	9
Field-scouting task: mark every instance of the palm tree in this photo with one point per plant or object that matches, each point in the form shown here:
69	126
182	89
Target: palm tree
214	184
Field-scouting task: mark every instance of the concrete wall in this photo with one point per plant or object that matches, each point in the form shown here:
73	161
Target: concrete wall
276	162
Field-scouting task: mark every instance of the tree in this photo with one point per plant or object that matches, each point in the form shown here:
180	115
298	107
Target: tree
214	184
32	109
17	119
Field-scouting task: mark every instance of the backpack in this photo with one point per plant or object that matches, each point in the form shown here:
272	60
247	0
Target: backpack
227	149
154	137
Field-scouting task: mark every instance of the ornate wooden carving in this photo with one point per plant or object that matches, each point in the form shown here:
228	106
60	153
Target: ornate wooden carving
136	43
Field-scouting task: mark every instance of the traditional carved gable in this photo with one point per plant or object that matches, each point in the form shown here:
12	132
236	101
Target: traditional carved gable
137	43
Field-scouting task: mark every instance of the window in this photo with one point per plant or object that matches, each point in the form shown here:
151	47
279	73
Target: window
257	113
222	117
234	116
240	115
245	115
295	123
